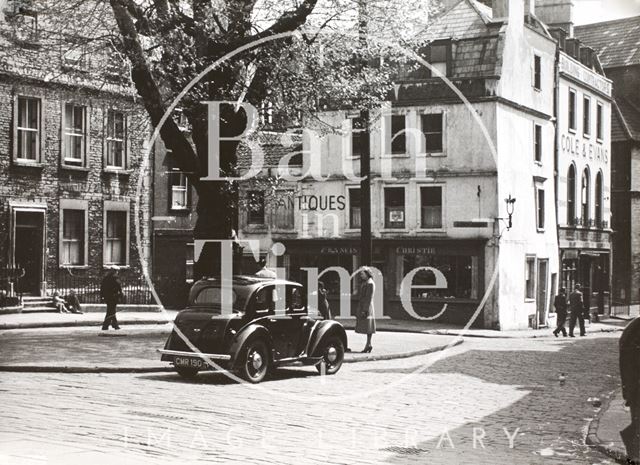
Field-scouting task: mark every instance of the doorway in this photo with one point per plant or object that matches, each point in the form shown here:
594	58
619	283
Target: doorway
28	252
541	298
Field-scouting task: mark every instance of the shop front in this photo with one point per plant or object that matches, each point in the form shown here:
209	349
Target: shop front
585	257
460	262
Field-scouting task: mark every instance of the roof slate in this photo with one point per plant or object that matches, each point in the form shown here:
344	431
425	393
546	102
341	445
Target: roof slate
628	121
617	42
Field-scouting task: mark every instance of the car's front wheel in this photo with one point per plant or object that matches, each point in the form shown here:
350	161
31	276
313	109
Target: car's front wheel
187	372
332	356
254	365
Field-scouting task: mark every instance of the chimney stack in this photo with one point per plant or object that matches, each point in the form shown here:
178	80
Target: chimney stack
556	13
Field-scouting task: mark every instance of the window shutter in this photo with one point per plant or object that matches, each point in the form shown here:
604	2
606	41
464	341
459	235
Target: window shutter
87	137
63	123
42	131
127	141
14	139
104	140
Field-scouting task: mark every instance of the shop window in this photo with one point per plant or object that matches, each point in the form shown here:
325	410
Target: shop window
431	207
73	237
599	200
27	130
354	208
571	196
461	273
75	135
179	190
116	238
585	191
537	142
394	207
432	128
283	210
115	142
529	277
540	210
586	116
536	72
599	130
398	134
572	110
255	208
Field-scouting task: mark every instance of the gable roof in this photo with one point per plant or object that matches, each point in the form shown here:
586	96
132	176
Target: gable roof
465	19
617	42
625	123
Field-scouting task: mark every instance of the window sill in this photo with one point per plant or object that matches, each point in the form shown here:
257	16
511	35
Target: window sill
529	300
572	130
394	230
431	230
83	169
27	164
179	211
433	154
114	170
396	155
115	267
73	267
537	89
537	163
540	230
586	136
599	140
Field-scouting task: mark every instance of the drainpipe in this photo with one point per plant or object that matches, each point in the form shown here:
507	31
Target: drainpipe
556	158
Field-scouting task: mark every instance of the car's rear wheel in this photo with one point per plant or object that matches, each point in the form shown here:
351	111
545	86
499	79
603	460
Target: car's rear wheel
187	372
332	356
254	365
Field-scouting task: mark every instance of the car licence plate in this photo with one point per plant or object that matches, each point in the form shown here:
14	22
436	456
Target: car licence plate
190	362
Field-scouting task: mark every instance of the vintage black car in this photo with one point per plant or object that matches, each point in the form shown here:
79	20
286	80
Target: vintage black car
267	326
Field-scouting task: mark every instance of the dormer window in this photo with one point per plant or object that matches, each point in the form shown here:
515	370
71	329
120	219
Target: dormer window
75	57
438	55
25	25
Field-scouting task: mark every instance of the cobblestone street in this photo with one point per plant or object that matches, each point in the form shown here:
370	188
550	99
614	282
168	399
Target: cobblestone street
485	401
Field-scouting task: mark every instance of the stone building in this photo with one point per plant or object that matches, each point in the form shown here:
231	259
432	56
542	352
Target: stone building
442	167
71	148
616	43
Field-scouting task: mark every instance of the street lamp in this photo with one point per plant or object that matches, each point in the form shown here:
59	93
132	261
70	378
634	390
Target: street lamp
510	207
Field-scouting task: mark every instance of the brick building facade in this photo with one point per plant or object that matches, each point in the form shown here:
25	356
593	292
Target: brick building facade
72	140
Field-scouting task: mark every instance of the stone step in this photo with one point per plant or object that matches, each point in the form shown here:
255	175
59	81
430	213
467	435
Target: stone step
40	309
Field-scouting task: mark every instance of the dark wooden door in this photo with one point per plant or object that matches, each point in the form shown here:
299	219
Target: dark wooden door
29	252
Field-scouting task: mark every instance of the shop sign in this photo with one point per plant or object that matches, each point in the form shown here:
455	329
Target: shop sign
577	147
322	202
331	250
584	75
416	250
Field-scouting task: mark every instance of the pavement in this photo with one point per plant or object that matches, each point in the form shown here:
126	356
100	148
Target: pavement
134	348
604	430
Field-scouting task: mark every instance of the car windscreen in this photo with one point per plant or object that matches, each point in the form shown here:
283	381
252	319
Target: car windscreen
211	298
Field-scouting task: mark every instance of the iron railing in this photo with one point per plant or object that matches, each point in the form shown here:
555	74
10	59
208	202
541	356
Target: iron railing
134	289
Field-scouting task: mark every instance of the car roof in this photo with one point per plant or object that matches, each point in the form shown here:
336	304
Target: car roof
249	280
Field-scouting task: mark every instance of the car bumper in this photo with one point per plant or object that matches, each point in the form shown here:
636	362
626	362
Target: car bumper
168	355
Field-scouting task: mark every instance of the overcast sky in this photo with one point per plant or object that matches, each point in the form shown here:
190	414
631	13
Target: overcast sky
594	11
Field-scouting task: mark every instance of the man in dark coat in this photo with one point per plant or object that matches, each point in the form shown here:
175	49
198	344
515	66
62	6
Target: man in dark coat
560	304
110	292
576	304
630	375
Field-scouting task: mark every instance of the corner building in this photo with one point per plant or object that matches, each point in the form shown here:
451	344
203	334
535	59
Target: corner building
438	199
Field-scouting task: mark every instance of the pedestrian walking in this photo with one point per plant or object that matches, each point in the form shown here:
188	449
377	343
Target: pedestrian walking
576	305
110	292
323	303
365	319
630	376
560	305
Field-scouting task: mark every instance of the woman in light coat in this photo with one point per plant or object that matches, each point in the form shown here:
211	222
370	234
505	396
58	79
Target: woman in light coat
365	319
